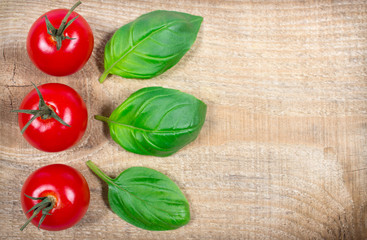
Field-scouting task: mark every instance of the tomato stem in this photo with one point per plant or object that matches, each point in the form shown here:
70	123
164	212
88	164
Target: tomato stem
44	111
45	206
63	24
98	172
58	34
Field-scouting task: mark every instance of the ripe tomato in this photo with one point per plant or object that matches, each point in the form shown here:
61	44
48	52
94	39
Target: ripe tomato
73	54
49	134
66	191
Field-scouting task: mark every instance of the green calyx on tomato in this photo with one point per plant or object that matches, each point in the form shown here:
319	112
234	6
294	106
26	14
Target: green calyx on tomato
46	204
58	34
44	111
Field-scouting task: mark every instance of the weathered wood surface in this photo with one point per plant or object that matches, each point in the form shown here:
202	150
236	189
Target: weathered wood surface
283	153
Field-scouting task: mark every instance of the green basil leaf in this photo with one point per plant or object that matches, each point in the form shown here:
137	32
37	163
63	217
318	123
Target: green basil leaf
156	121
146	198
150	45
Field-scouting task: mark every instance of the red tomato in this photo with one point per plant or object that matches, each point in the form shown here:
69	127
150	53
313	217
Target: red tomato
73	54
67	189
48	134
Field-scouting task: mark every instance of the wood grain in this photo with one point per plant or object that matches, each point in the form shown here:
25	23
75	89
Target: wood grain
283	153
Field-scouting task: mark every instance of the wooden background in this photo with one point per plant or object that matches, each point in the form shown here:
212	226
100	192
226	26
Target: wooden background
283	153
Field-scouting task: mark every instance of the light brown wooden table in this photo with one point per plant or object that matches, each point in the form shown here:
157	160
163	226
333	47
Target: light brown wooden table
283	152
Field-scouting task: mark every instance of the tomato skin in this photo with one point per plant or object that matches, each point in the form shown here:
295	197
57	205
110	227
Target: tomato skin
48	134
67	186
72	55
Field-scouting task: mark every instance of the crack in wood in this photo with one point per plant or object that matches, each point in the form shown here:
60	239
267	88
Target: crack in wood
13	76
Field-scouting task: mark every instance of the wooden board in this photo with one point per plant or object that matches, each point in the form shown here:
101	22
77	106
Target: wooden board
283	152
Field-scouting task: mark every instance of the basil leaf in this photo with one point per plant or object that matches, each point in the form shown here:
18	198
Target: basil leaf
150	45
156	121
146	198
